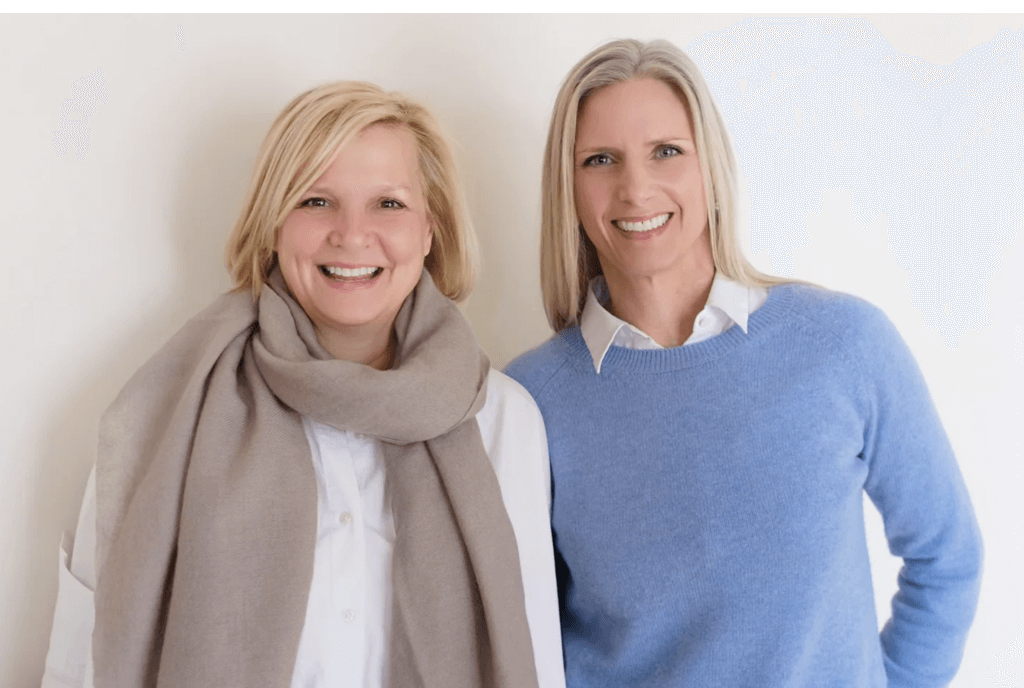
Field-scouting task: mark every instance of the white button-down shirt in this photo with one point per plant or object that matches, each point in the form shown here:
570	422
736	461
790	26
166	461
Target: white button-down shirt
348	612
344	642
729	303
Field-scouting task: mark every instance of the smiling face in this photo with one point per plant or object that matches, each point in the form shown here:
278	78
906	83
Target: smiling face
353	248
639	188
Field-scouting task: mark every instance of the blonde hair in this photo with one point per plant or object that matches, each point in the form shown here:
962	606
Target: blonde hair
567	257
300	146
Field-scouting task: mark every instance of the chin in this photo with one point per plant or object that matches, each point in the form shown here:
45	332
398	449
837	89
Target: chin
649	268
353	318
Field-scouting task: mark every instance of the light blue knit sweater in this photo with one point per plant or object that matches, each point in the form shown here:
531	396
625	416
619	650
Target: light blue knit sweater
708	514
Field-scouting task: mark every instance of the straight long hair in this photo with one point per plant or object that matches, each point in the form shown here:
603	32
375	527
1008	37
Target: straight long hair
568	258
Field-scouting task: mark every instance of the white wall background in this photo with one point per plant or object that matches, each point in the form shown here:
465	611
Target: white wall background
119	190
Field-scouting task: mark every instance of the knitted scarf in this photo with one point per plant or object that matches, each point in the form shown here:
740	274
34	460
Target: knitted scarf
207	502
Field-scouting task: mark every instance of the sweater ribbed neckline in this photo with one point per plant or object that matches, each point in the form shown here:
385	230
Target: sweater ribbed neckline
767	317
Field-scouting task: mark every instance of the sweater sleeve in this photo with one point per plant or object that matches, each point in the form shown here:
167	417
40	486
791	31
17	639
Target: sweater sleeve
915	483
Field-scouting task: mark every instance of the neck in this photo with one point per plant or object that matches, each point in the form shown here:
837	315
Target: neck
662	305
374	348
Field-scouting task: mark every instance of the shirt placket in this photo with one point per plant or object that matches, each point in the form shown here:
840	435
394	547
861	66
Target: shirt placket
345	644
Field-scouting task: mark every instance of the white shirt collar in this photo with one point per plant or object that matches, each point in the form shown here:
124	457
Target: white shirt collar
729	303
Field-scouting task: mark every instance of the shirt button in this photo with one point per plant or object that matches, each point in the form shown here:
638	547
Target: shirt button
349	615
346	518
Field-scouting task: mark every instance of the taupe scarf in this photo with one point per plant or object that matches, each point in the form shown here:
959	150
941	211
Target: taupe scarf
207	503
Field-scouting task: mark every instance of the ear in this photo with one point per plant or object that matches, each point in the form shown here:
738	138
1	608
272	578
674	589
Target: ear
428	239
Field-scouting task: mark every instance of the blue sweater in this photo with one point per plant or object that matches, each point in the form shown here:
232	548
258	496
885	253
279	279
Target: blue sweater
707	506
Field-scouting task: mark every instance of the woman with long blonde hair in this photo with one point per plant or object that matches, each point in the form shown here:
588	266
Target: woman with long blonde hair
712	429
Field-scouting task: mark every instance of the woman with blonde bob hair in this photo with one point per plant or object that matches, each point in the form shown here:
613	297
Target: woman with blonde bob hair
712	429
319	480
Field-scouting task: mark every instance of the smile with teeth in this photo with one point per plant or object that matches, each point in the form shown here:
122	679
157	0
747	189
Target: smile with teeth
350	273
645	226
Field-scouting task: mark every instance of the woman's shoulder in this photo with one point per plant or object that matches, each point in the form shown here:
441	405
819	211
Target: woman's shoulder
150	404
182	363
845	317
513	433
508	403
535	368
227	316
208	332
846	323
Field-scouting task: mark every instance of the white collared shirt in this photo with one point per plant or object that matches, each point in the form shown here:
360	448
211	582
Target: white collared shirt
344	641
729	303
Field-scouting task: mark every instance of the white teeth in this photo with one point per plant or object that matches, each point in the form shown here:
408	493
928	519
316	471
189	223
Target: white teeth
346	272
644	226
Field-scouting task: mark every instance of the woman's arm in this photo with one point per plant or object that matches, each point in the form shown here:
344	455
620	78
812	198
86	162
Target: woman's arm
69	660
915	483
513	434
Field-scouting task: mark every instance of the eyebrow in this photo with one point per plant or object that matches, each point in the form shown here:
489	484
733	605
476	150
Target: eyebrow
378	189
650	144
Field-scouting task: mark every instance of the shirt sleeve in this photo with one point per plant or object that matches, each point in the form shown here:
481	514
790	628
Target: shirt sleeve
69	660
513	433
916	484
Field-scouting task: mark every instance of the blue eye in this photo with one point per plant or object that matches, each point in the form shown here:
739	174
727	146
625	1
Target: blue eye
599	160
667	151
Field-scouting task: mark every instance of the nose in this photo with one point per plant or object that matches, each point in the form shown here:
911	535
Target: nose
635	182
348	230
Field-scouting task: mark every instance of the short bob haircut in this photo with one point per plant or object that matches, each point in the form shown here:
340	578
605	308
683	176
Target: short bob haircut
568	259
299	147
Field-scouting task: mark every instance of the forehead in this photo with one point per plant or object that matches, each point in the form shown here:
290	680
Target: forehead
379	148
642	106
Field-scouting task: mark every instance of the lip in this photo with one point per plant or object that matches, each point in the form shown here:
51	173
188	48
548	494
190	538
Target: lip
348	266
350	285
643	236
643	218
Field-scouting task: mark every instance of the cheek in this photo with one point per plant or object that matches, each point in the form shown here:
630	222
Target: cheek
591	196
285	249
288	260
420	238
407	243
294	240
697	189
582	194
691	182
592	200
591	230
